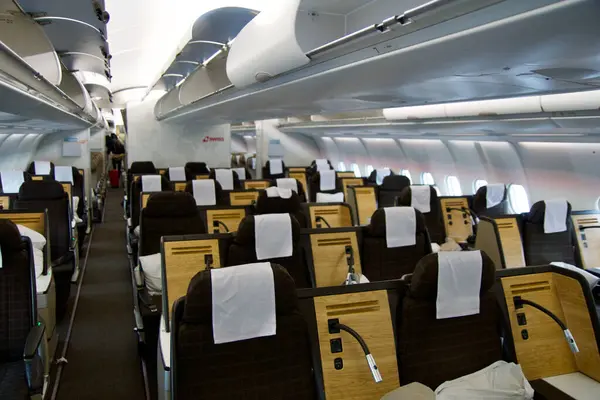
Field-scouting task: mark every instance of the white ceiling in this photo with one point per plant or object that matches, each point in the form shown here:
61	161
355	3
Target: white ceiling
341	7
144	35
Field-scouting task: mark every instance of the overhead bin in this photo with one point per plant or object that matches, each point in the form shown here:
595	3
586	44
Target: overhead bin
73	88
415	112
578	101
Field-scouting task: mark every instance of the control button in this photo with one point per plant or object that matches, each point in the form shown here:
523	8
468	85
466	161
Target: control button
338	363
336	345
525	334
521	319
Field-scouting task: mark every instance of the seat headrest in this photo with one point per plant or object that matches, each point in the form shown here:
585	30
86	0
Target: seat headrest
11	181
377	227
198	168
198	300
10	237
277	205
395	182
406	197
245	233
142	167
170	205
487	195
424	284
41	190
537	213
40	167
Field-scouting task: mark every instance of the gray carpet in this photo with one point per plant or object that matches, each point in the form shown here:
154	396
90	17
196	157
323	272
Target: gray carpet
103	353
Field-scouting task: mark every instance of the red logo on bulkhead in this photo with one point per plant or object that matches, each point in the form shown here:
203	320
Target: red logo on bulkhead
209	139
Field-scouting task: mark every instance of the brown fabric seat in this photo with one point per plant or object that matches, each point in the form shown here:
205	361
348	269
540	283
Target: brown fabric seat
433	219
380	263
543	248
480	204
272	367
237	184
315	186
392	187
221	197
432	351
135	199
193	169
168	214
277	205
243	251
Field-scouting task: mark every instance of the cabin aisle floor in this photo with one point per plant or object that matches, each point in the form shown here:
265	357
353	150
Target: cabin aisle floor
103	360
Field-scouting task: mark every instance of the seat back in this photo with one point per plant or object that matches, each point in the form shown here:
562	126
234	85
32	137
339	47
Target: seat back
136	198
243	251
271	367
433	219
220	195
380	262
167	214
328	215
392	187
267	174
315	186
77	187
278	205
243	197
432	351
501	239
49	195
300	175
481	208
193	169
256	184
139	168
13	186
363	202
586	225
543	248
17	292
372	178
31	170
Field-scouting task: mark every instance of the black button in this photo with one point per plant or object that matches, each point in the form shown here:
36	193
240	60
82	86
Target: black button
336	345
525	334
521	319
338	363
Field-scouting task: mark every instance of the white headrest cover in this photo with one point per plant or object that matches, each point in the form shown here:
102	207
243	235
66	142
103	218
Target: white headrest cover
327	180
151	183
11	181
275	191
204	192
420	198
555	217
322	162
241	172
225	178
276	166
177	174
400	226
382	173
288	183
273	236
495	194
63	174
41	167
330	198
459	283
243	302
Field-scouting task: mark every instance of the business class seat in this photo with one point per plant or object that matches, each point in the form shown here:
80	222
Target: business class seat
377	176
244	249
44	169
432	212
542	244
393	243
73	176
137	188
21	369
293	184
278	205
50	195
221	198
431	350
325	182
137	168
491	201
276	366
392	187
228	178
274	169
193	169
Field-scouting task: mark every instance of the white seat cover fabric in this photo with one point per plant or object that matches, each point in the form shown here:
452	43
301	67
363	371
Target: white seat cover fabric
382	173
152	268
63	174
494	194
225	178
590	278
420	198
276	166
151	183
330	198
38	241
177	174
42	167
11	181
273	236
459	283
327	180
241	173
499	381
288	183
555	217
400	226
275	191
243	302
204	192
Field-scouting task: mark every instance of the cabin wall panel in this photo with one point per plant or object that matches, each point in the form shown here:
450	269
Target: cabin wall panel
384	153
503	164
51	149
352	150
428	156
238	145
173	145
330	150
299	150
563	170
17	149
468	163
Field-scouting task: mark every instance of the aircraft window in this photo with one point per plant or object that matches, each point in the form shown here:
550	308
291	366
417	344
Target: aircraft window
427	179
598	204
369	170
479	183
341	166
453	186
406	173
517	198
356	170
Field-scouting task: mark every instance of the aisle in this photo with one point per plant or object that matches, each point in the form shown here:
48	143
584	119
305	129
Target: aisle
103	360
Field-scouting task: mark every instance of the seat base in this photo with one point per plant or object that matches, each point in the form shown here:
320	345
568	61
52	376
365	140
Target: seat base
12	381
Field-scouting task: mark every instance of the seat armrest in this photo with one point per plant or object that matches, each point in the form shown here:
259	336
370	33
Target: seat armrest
406	278
34	340
145	299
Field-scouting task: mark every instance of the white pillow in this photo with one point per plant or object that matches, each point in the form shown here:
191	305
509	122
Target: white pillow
151	266
38	261
37	240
